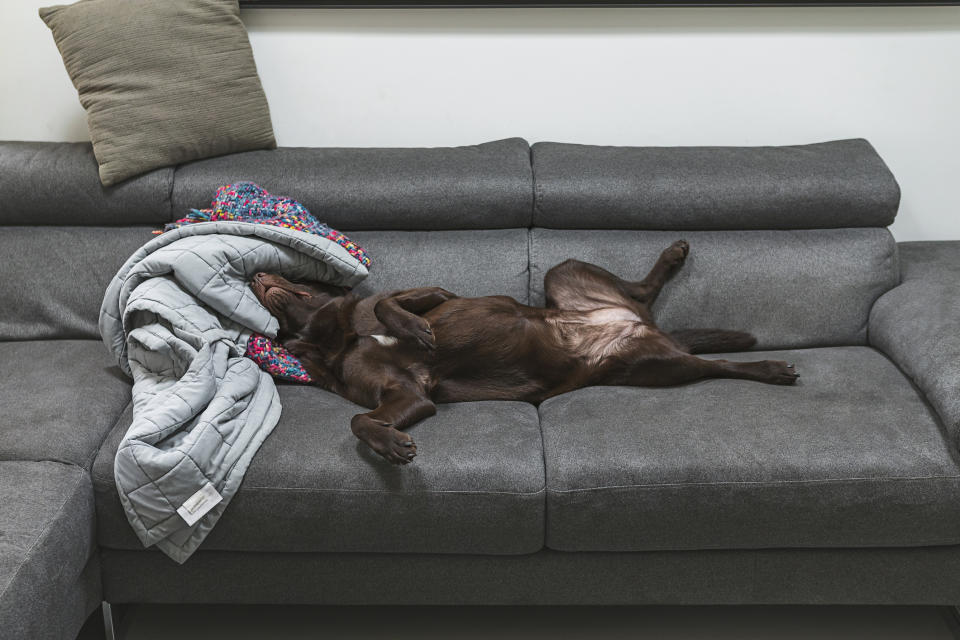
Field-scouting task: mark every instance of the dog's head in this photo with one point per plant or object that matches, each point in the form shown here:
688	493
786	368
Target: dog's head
306	310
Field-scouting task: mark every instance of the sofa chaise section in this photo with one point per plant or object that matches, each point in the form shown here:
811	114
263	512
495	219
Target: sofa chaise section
49	567
60	398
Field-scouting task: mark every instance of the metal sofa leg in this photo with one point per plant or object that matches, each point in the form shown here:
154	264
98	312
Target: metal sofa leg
951	615
111	623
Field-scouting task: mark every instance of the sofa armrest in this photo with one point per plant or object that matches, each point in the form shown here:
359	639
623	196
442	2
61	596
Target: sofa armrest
917	325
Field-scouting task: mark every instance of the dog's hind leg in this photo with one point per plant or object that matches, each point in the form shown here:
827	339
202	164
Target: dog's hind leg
575	285
581	286
399	407
672	258
679	368
712	340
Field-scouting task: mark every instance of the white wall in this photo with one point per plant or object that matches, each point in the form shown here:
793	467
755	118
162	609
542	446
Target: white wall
606	76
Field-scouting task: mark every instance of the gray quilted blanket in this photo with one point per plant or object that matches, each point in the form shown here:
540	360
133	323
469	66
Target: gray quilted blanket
177	317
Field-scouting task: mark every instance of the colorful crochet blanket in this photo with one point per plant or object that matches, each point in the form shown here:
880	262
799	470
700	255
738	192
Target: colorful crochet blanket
249	202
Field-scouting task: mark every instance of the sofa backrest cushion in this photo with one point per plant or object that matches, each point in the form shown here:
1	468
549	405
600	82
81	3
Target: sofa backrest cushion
54	277
815	186
791	289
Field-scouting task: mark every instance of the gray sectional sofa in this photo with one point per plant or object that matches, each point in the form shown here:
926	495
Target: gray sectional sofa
842	489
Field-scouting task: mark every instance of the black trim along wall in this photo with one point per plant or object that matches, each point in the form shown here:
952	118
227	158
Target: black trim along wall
448	4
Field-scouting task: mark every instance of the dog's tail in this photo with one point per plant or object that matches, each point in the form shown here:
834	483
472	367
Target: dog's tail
713	340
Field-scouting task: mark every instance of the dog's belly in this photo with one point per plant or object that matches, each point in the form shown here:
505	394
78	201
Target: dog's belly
594	335
493	348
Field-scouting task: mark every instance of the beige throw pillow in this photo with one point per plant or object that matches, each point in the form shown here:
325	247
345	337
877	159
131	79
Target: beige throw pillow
163	81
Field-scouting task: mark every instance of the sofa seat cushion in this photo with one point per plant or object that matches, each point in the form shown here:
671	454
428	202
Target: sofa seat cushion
476	485
49	576
851	456
60	399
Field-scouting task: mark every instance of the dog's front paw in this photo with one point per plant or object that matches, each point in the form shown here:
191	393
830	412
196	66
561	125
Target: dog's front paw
676	254
417	330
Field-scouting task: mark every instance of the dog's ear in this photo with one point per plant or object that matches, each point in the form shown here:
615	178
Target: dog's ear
324	323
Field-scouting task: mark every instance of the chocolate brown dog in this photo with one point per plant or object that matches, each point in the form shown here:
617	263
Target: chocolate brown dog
400	352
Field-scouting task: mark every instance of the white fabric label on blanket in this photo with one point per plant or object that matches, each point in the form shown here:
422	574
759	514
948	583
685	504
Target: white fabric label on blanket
199	503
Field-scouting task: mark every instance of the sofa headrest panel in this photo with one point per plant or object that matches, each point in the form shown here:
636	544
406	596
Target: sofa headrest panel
56	183
836	184
485	186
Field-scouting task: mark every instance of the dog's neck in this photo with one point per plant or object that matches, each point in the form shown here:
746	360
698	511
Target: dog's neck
328	334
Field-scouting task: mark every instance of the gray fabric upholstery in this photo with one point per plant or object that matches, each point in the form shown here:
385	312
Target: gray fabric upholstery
468	263
789	288
49	580
918	575
475	487
832	184
849	457
485	186
54	278
917	324
60	398
45	183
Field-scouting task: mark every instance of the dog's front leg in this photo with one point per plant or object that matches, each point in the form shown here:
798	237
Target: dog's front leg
399	408
398	313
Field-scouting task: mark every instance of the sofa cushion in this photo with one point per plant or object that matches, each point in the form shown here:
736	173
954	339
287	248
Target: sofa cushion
60	398
61	298
483	186
468	263
803	288
843	183
54	278
49	577
475	487
851	456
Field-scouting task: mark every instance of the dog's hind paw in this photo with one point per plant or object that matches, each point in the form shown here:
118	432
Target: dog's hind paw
780	372
395	446
676	253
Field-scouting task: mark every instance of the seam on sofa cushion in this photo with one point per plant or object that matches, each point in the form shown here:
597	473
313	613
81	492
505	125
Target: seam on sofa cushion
173	183
533	187
721	547
397	493
531	248
656	485
106	435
